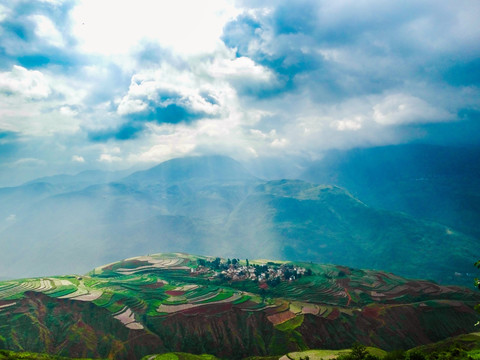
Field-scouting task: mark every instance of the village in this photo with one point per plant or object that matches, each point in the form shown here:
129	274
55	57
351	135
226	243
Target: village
234	270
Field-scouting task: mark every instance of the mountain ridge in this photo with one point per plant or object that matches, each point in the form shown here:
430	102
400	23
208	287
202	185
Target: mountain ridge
211	167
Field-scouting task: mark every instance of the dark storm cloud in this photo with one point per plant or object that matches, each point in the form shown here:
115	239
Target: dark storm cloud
124	132
286	59
170	114
174	113
344	49
463	132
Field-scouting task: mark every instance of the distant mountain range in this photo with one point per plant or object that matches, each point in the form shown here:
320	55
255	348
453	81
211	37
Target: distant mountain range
230	308
212	205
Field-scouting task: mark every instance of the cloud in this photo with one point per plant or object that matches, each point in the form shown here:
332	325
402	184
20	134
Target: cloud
187	27
108	158
27	83
29	162
167	95
78	159
346	49
263	79
4	13
169	85
46	30
123	132
400	109
37	33
186	92
245	76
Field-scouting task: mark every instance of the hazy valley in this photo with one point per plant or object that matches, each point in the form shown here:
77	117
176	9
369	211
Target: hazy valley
213	205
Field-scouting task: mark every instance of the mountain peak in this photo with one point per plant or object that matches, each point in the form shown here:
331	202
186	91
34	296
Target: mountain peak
193	168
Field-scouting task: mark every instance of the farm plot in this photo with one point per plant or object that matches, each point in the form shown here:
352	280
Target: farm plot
127	317
4	306
83	294
61	288
10	289
16	289
199	297
311	289
131	266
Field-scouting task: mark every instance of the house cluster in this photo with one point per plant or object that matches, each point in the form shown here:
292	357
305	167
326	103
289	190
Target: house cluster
235	270
262	273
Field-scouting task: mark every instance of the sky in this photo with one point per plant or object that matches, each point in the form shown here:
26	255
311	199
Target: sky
127	84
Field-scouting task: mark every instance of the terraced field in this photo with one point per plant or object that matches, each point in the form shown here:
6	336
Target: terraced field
150	294
156	285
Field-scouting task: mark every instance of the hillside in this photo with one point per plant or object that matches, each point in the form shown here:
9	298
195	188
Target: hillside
439	183
213	205
177	302
327	224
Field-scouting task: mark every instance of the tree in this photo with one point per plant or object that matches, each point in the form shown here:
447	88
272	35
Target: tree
216	263
248	264
415	355
201	262
359	352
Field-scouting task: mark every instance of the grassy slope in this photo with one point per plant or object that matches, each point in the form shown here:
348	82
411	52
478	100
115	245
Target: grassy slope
469	342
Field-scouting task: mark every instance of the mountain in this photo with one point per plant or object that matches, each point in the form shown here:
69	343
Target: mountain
82	180
204	169
327	224
179	302
213	205
439	183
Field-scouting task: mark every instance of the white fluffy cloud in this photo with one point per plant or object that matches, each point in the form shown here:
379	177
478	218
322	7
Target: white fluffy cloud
27	83
46	29
78	159
398	109
165	86
3	12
